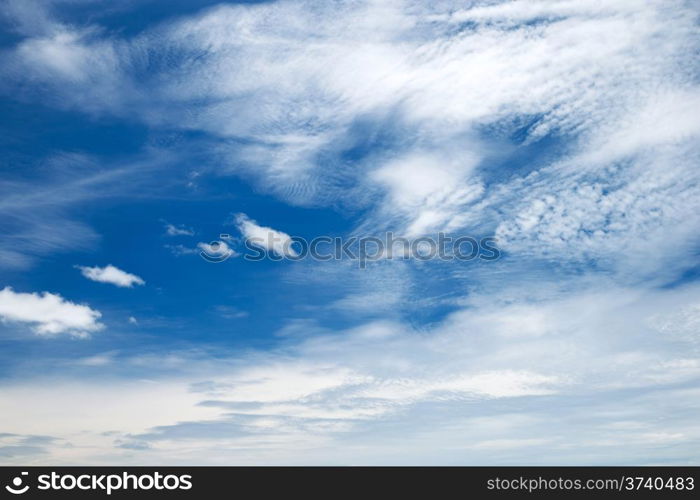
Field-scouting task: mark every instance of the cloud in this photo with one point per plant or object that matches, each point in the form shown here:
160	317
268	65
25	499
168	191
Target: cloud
180	250
172	230
37	218
111	274
49	314
565	128
73	58
41	217
454	95
469	82
231	312
471	385
428	188
109	408
21	447
97	360
265	237
576	215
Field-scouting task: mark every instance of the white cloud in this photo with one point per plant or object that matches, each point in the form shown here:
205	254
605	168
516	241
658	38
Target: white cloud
111	274
388	389
113	409
429	189
172	230
265	237
443	89
74	58
558	67
61	54
661	119
572	212
298	78
48	313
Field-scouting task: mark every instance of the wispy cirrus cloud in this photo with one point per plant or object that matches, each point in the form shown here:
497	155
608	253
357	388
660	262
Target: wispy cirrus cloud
41	206
461	81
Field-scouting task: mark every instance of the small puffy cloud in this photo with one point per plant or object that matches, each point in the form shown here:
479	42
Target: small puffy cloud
48	313
265	237
173	230
111	274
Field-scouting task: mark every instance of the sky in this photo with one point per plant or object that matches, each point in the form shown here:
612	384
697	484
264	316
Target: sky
141	139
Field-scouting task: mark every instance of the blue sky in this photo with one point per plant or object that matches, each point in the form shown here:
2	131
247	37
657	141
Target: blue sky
135	133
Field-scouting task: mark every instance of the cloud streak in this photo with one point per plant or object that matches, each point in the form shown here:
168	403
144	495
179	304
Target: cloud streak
172	230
